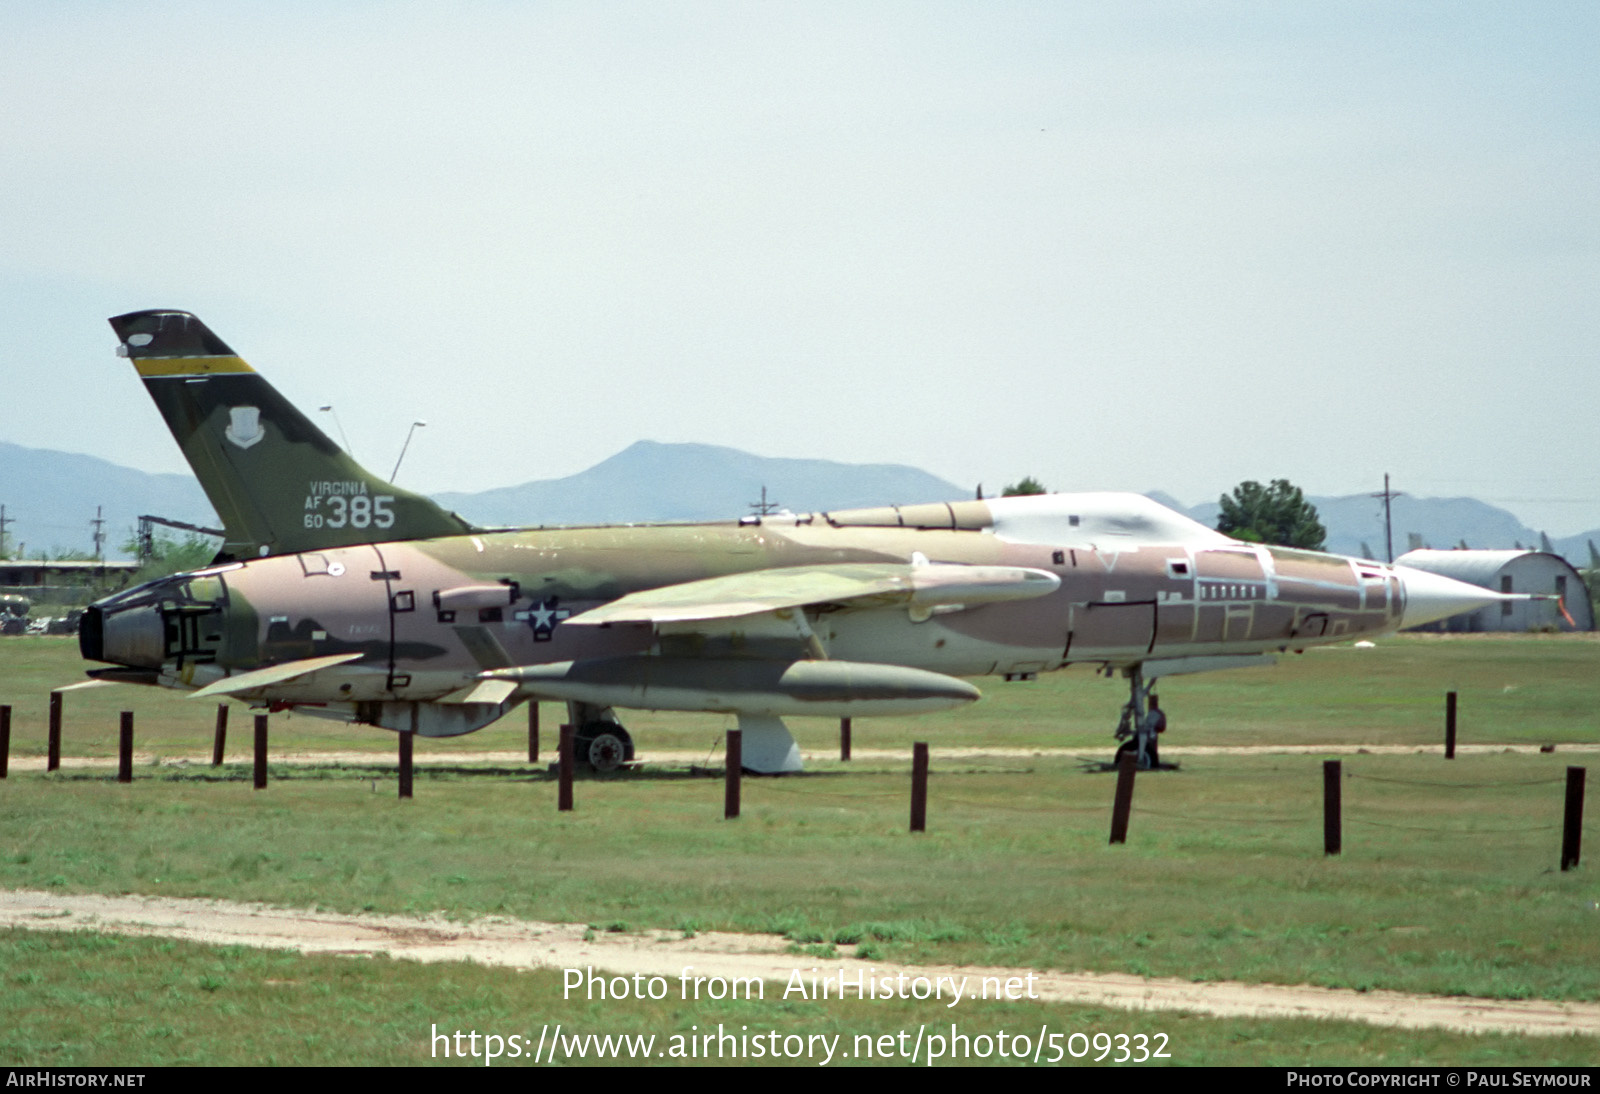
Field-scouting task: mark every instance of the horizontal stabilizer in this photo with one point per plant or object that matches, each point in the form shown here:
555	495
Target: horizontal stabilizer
97	682
273	674
846	583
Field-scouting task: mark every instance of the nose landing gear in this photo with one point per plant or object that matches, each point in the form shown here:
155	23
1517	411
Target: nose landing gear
1142	724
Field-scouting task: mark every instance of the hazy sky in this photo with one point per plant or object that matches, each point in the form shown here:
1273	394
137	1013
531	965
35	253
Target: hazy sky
1112	245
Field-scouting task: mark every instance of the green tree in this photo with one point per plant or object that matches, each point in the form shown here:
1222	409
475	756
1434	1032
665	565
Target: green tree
172	556
1029	485
1271	514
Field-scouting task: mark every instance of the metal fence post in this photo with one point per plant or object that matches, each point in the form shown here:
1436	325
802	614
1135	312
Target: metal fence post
735	771
53	742
220	740
1332	838
125	748
919	787
1122	806
564	767
1572	828
261	752
1449	725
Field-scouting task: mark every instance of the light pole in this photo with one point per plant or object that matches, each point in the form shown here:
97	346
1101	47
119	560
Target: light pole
403	448
329	410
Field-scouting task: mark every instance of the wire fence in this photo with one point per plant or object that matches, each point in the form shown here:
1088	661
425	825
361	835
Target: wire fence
1454	785
1529	811
1370	823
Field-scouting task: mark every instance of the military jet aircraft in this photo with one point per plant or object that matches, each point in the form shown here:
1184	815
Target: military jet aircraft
336	593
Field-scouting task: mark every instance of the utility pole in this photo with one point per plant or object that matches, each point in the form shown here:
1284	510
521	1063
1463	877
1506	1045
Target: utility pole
764	507
1388	522
99	534
4	520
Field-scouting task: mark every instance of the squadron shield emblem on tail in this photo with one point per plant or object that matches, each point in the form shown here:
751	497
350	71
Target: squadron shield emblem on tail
244	426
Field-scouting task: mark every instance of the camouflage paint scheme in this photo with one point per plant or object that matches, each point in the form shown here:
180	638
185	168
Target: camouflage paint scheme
337	593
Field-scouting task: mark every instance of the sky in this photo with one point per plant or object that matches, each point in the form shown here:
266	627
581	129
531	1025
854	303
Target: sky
1130	246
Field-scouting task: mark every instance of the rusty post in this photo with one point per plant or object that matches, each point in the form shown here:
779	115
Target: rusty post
52	759
220	740
1122	805
919	787
1332	836
5	739
564	767
1572	828
1449	725
125	748
844	738
533	731
730	781
407	738
261	751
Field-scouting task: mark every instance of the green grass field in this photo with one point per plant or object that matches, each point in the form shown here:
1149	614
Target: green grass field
1513	689
1448	882
93	1000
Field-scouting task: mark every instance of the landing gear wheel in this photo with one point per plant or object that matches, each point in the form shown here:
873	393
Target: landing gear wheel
604	746
1151	762
1133	725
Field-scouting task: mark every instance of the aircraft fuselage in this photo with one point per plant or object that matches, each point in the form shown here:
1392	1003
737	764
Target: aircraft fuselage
339	593
430	617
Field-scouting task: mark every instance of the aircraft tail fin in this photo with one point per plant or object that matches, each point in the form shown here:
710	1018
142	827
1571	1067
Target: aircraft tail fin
278	482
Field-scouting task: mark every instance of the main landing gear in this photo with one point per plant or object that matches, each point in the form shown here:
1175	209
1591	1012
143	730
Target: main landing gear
599	739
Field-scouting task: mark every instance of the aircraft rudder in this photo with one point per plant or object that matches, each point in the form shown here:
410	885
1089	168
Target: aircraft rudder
161	333
278	483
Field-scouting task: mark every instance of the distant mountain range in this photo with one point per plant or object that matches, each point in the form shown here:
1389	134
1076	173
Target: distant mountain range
650	481
50	499
1355	525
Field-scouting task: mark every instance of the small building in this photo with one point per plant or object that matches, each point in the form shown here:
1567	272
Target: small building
31	577
1538	572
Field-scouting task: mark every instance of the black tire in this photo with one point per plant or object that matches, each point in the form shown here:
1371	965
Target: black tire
1132	745
603	746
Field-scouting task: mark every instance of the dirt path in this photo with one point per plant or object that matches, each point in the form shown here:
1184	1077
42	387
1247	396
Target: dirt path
525	945
682	758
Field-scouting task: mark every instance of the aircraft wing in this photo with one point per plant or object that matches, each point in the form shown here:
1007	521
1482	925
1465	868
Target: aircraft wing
846	584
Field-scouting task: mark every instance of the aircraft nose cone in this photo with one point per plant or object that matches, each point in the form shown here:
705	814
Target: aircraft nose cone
1431	597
